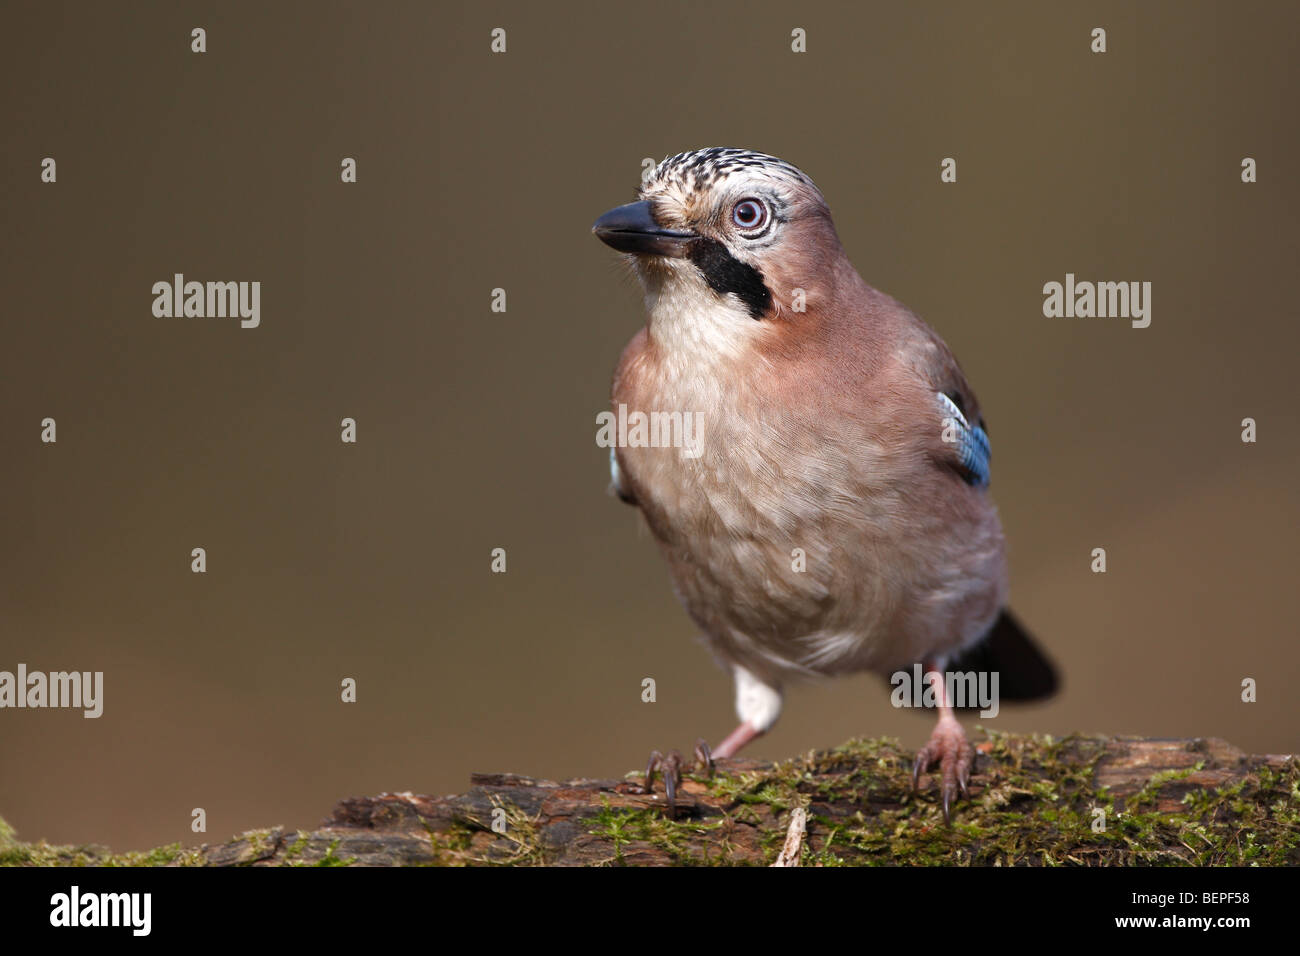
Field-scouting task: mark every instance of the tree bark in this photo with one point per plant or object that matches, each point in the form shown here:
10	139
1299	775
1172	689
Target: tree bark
1033	801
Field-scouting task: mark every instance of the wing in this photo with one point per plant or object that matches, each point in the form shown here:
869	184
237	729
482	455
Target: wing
969	441
953	411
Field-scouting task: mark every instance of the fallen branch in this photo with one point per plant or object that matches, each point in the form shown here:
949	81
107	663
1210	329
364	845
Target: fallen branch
1033	800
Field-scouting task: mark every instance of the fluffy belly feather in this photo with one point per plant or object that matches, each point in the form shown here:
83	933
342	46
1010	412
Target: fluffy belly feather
792	559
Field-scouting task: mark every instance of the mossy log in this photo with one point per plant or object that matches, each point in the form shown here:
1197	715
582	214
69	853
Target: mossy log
1079	800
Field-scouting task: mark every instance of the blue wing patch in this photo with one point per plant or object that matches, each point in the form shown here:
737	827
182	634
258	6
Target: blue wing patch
972	444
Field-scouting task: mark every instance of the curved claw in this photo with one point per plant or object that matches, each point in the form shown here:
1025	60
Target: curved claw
919	766
672	773
704	756
670	769
949	791
651	765
949	747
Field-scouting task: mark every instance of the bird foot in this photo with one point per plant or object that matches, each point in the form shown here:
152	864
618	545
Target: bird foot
955	756
670	767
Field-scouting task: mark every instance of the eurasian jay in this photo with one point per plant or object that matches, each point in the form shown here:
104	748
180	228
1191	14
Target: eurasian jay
836	426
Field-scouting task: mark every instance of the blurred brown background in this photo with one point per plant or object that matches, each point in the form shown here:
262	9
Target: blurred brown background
477	429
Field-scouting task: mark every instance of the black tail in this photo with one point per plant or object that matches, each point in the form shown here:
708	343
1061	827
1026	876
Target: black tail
1024	671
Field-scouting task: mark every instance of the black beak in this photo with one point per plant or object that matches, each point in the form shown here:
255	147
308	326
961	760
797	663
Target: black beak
632	228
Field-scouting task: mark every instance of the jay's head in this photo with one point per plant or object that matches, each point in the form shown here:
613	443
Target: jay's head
727	232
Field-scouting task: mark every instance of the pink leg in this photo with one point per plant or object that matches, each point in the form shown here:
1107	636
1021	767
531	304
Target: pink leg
735	740
948	747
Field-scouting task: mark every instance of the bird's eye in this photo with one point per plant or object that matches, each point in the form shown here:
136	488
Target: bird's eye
749	214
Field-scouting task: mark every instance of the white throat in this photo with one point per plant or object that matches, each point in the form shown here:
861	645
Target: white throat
691	322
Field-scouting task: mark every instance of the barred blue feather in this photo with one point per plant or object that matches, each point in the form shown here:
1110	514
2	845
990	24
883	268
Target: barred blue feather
973	450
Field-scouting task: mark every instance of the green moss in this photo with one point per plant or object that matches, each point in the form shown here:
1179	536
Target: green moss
460	837
614	826
1036	806
16	853
162	856
332	859
259	841
1035	802
294	850
471	841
